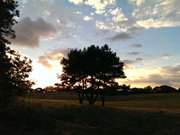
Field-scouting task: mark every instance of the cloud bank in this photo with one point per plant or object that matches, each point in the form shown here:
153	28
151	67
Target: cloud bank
29	32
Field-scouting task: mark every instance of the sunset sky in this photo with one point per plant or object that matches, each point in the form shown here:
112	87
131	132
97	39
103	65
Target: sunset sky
144	33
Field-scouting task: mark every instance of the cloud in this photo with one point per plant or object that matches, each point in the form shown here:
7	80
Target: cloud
103	26
135	45
166	56
157	14
127	62
87	18
138	2
56	55
78	12
169	75
139	59
156	23
134	53
76	2
130	62
44	61
118	16
29	32
99	5
121	36
144	15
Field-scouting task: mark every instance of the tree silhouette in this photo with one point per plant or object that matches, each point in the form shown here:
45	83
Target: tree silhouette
8	14
91	70
14	69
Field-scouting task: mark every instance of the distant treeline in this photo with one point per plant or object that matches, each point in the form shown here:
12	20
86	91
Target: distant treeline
125	89
118	90
148	89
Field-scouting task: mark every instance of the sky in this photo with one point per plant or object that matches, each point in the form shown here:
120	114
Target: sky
143	33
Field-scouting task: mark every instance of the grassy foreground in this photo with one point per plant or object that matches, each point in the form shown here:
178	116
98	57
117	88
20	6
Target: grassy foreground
124	115
169	102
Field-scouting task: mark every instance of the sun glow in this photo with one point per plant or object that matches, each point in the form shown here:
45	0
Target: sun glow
44	76
135	76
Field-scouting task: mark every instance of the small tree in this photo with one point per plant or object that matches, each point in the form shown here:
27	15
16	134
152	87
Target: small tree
92	70
14	70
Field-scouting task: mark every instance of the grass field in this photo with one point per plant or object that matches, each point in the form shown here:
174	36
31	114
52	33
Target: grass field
169	102
150	114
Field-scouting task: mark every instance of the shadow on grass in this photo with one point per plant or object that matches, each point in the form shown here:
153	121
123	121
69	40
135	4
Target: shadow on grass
85	120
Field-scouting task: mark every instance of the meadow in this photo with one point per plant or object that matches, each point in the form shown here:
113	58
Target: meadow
164	102
60	114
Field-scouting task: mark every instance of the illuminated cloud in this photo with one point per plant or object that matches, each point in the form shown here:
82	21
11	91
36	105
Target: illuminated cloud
156	23
56	55
87	18
44	61
99	5
138	2
78	12
157	14
118	16
76	2
145	14
29	32
103	26
169	75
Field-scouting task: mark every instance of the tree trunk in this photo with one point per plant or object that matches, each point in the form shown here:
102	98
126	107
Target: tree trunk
91	99
102	99
81	97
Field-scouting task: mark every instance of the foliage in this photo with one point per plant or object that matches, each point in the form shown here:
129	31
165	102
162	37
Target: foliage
164	89
8	15
14	69
91	69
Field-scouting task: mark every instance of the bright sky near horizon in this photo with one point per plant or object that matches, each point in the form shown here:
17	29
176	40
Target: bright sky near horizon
144	33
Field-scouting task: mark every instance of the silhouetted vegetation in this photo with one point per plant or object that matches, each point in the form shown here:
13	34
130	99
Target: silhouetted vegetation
91	71
14	69
164	89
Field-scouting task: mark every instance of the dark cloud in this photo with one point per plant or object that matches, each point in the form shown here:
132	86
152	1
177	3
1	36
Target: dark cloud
166	56
133	61
128	61
29	32
133	53
120	36
136	45
44	61
55	55
139	59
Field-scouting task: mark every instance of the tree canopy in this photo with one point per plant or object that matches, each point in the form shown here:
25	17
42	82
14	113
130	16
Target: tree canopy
93	68
8	15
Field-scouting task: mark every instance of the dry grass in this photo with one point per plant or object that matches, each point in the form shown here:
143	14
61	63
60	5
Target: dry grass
146	102
123	115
